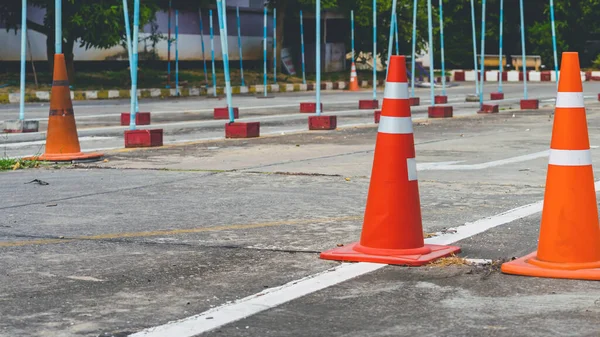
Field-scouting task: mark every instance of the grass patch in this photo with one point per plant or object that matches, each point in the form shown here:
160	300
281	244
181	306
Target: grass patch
7	164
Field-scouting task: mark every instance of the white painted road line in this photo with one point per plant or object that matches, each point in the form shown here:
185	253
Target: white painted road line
271	298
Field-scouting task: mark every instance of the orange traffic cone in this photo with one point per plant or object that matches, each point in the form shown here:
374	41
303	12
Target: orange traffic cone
569	241
62	142
392	231
353	79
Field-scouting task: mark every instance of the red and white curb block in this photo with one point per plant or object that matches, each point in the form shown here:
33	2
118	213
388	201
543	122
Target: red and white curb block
517	76
44	96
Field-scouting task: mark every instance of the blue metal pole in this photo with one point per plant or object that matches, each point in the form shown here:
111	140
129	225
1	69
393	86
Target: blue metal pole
302	47
431	67
397	39
374	49
169	49
224	15
352	33
501	68
202	42
414	50
239	31
554	40
391	36
129	48
177	52
318	56
523	50
474	48
23	58
221	8
265	52
212	53
275	45
442	48
136	25
58	26
482	52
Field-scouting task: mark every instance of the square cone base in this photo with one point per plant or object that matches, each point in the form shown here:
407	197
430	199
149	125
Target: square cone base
530	104
348	254
367	104
322	122
523	267
242	130
496	96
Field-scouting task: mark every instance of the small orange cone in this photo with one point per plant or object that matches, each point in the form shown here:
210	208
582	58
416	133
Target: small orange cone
569	241
62	142
353	79
392	231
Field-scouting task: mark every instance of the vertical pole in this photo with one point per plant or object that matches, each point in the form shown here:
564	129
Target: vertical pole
265	51
134	52
129	45
482	53
222	15
23	58
169	49
523	50
375	49
177	52
501	68
442	48
212	53
239	31
554	39
397	39
318	56
414	50
474	48
431	67
275	45
391	36
302	47
202	42
352	33
58	26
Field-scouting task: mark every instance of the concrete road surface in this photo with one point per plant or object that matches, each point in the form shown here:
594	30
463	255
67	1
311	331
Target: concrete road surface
222	238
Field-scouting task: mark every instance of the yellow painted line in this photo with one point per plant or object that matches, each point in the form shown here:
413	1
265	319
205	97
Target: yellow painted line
174	231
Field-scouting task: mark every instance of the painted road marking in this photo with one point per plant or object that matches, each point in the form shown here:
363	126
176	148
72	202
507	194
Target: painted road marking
274	297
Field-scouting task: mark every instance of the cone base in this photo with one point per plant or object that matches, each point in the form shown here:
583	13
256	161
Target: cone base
348	254
68	157
524	267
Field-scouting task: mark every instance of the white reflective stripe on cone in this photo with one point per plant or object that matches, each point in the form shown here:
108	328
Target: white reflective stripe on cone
395	125
569	100
570	157
411	164
396	90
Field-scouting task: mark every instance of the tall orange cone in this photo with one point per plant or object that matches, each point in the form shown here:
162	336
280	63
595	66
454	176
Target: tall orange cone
569	241
62	142
392	231
353	79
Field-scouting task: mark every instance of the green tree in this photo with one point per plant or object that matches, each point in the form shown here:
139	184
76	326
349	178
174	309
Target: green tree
88	23
363	10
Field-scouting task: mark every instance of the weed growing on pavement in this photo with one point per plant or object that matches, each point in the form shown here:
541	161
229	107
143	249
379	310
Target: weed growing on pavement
7	164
